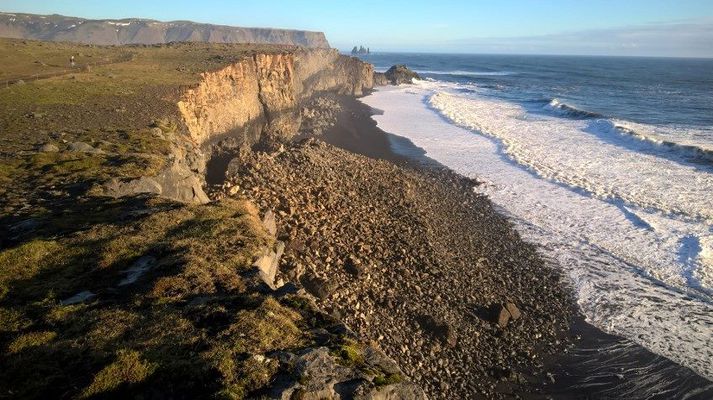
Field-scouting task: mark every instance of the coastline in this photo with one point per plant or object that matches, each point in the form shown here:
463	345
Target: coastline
595	364
329	256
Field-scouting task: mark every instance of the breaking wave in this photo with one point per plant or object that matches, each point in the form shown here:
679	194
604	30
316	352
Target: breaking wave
570	111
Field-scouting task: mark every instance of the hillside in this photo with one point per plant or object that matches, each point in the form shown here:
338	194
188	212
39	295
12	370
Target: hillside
145	31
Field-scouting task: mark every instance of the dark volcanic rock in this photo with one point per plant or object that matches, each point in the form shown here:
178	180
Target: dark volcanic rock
399	74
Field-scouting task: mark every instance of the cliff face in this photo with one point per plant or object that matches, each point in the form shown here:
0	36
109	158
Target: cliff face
143	31
260	94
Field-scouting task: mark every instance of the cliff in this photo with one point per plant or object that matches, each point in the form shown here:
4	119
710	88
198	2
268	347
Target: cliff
144	31
260	94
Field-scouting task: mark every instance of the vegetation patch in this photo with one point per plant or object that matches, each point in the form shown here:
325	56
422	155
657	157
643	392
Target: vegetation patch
31	339
129	368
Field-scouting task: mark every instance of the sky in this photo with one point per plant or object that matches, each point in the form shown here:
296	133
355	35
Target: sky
676	28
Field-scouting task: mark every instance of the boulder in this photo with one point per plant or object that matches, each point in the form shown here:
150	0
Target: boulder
502	314
317	375
515	313
48	148
267	264
81	147
268	221
176	182
399	74
318	287
78	298
140	267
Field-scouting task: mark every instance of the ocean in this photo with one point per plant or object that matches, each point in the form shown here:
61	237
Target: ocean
605	163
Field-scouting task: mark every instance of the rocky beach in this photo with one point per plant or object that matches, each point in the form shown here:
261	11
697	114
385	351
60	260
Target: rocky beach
202	220
413	262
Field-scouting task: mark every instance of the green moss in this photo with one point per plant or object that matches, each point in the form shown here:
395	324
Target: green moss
244	376
388	379
31	339
351	353
129	368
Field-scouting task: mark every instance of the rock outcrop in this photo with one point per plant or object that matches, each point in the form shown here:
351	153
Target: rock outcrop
400	74
145	31
317	375
176	182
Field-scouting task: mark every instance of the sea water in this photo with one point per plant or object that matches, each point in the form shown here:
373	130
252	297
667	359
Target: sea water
606	163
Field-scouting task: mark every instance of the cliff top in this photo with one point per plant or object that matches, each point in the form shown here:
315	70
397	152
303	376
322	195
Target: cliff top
145	31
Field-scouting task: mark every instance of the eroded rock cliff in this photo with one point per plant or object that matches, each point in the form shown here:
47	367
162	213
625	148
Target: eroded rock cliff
251	100
259	95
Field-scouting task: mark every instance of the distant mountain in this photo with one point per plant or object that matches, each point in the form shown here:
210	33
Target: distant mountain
145	31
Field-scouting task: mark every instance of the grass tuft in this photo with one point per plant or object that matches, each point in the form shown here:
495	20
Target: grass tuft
129	368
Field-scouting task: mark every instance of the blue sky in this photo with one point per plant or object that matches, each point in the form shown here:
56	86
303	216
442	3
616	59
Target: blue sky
619	27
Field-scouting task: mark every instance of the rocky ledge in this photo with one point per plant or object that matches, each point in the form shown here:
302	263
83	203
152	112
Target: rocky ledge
413	261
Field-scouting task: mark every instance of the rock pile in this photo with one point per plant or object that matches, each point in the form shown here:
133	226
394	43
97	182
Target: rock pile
412	261
318	115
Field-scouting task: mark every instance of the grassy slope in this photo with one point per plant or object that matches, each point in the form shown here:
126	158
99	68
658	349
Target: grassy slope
186	329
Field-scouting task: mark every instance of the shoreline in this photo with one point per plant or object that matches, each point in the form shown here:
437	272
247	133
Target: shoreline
598	363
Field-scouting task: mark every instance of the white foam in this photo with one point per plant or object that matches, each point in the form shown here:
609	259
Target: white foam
638	270
566	151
